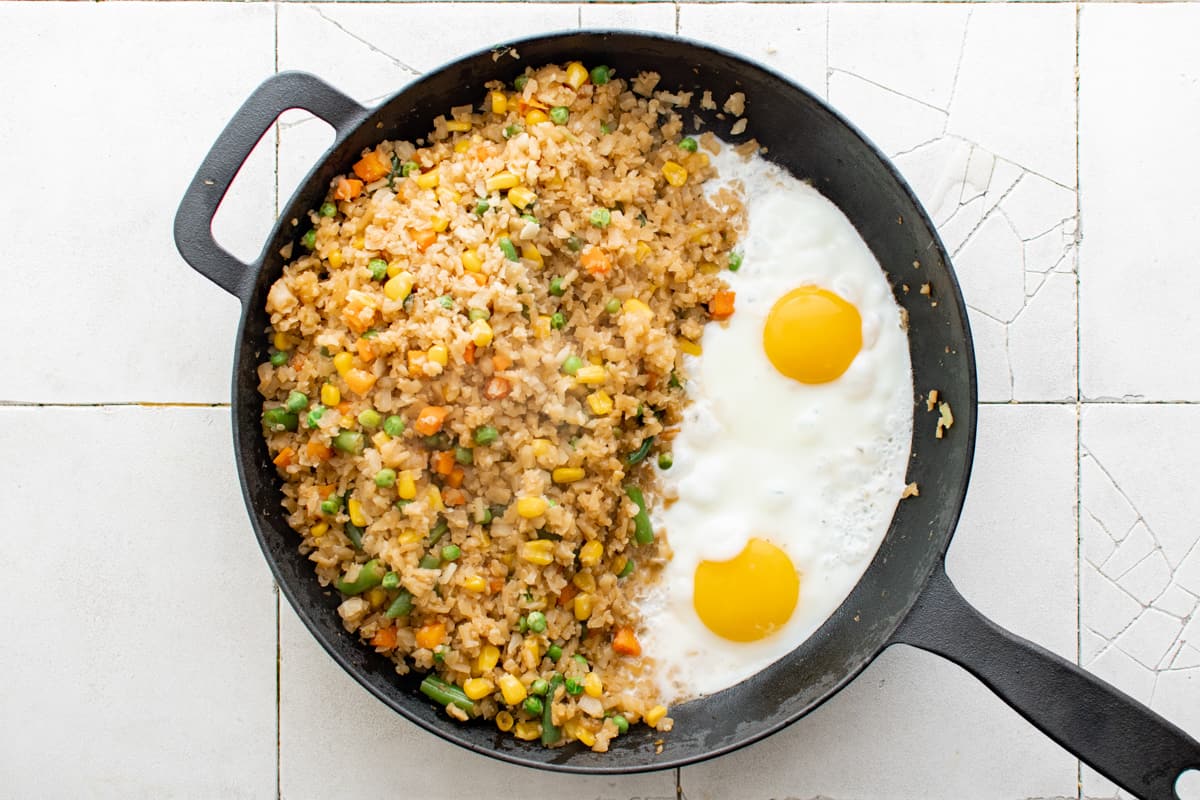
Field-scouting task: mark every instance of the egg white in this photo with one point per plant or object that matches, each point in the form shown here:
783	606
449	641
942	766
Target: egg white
815	469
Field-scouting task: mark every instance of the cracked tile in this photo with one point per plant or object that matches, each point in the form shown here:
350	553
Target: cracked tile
874	109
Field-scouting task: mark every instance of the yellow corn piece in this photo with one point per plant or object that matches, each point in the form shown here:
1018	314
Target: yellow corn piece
531	507
343	363
475	583
512	689
416	361
358	242
398	286
584	735
521	196
591	553
689	347
699	232
377	597
539	552
635	306
501	181
641	252
318	530
619	564
534	652
529	251
708	268
591	375
600	403
535	117
411	537
347	421
395	268
435	499
489	656
335	259
568	474
439	354
584	581
481	332
499	102
577	74
406	485
356	513
595	359
540	447
281	341
439	223
462	146
331	395
471	261
675	174
654	715
593	685
458	125
454	197
527	730
583	606
428	180
477	688
541	326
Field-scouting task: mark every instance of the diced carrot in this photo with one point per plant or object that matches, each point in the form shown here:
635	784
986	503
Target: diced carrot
469	353
455	479
482	152
453	497
497	389
595	261
567	595
372	167
501	362
430	636
344	407
721	306
496	585
416	362
285	457
625	643
347	189
479	278
385	638
365	351
317	450
430	420
325	489
424	239
442	462
360	381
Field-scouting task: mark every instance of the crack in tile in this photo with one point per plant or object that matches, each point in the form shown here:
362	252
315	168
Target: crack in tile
962	51
369	45
830	70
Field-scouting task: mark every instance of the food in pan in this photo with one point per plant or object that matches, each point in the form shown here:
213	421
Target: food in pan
486	346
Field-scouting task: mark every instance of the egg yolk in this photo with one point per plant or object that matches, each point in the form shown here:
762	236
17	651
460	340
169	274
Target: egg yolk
748	597
812	335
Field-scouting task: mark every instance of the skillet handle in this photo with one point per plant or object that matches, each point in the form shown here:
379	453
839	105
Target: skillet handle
1113	733
193	220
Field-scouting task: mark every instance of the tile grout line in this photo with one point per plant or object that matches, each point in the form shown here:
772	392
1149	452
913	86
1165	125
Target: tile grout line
1078	401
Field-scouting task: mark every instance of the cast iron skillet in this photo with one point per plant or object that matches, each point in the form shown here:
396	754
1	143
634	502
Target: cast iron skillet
904	596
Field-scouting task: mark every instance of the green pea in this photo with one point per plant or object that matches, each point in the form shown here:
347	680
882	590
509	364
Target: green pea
446	301
481	206
613	305
280	419
438	441
557	320
309	239
688	143
369	419
601	217
296	401
279	358
327	209
580	660
511	131
559	115
574	687
508	248
331	504
314	416
519	82
394	426
464	455
554	652
735	261
571	365
451	552
349	442
665	460
429	562
378	268
478	313
627	570
533	705
574	243
539	687
385	478
600	75
408	168
621	723
486	434
537	621
556	287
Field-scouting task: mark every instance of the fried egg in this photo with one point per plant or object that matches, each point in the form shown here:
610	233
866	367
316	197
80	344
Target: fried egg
791	455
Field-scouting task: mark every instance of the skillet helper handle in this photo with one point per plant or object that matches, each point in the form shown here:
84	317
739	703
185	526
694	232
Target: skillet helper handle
1113	733
193	220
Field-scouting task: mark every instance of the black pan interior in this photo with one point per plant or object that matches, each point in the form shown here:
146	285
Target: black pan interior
814	143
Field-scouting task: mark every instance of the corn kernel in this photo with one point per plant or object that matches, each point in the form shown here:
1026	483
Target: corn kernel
347	421
619	564
530	251
504	721
591	553
489	656
600	403
395	268
416	361
439	223
458	125
591	375
501	181
521	196
539	552
477	688
318	530
428	180
568	474
411	537
356	515
435	499
593	685
584	735
471	261
475	583
343	363
281	341
527	730
512	689
481	332
675	174
406	485
584	581
531	507
462	146
398	286
635	306
535	117
335	259
330	395
376	597
439	354
577	74
499	102
532	650
541	326
689	347
358	242
540	448
654	715
583	606
641	252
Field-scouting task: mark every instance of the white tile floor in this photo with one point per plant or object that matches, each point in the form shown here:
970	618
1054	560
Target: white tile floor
176	674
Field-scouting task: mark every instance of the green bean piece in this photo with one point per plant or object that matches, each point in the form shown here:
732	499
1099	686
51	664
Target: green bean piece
556	287
354	534
446	301
539	687
574	243
600	74
438	531
735	261
558	321
481	206
511	131
429	562
309	239
369	576
551	733
439	654
279	358
613	305
522	624
378	268
369	419
519	82
349	442
601	217
314	415
508	248
554	652
408	168
665	460
533	705
530	218
643	533
478	313
280	419
571	365
447	694
391	581
464	455
621	723
328	209
451	552
639	455
402	606
627	570
394	426
486	434
688	144
559	115
574	687
385	478
537	621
